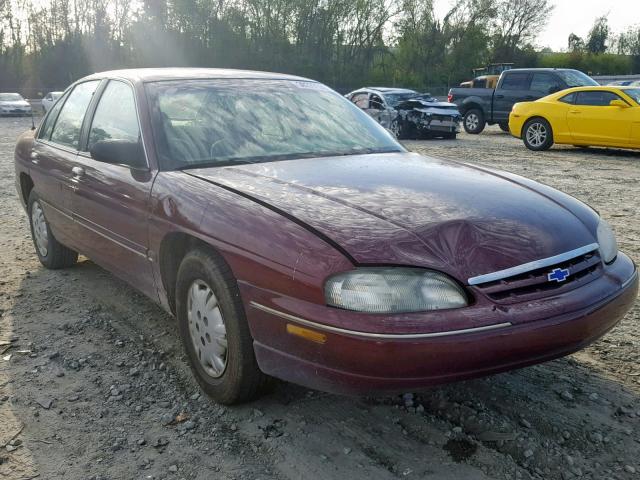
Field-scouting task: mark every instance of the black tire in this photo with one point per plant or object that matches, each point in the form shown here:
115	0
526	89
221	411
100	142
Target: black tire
56	256
473	121
399	129
537	135
450	136
241	380
504	127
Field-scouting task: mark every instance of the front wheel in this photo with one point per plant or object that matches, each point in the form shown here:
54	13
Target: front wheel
537	135
51	253
399	129
474	121
214	329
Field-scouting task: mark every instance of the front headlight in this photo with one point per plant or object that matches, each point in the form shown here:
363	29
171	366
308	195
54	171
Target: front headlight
393	290
607	242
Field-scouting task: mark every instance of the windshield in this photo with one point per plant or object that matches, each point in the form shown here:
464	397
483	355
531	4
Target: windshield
221	122
633	93
394	99
575	78
10	97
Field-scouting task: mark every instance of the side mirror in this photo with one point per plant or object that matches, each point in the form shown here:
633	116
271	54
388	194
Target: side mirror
618	103
120	152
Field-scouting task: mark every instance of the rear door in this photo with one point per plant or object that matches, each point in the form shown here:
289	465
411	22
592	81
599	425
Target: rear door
53	156
513	88
592	121
111	196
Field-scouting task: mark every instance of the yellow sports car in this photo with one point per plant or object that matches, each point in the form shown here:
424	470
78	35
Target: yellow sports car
582	116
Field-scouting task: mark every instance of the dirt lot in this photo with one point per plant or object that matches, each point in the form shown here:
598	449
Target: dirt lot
95	386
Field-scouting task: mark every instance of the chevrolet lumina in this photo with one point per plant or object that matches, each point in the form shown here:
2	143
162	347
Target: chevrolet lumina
293	237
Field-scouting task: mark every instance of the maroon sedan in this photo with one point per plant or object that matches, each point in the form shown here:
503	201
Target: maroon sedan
293	237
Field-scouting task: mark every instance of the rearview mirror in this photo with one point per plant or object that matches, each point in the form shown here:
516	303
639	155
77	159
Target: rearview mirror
618	103
119	152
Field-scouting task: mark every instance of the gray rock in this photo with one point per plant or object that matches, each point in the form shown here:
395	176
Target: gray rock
525	423
173	468
629	469
528	453
567	396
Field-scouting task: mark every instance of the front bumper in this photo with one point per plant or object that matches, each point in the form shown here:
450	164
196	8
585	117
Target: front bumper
354	361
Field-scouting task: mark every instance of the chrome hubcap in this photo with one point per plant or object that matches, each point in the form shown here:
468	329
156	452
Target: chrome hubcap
472	121
536	134
207	329
395	128
41	236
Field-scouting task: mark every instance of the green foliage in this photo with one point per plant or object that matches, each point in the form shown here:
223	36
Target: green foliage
344	43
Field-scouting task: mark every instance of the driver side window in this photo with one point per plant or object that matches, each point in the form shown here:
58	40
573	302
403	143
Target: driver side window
376	103
116	117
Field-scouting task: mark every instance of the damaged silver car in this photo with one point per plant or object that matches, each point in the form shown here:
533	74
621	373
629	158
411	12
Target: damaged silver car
409	114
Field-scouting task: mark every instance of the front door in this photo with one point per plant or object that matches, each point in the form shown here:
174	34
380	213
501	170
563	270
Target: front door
514	88
111	199
592	121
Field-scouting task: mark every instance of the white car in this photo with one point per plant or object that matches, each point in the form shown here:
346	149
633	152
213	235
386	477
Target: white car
14	104
49	99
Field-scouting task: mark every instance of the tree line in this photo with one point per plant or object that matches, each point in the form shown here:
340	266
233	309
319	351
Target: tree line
47	44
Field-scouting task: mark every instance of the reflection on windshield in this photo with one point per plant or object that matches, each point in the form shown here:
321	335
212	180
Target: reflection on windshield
220	122
575	78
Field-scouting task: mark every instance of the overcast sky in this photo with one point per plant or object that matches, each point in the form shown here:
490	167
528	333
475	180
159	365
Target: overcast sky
577	16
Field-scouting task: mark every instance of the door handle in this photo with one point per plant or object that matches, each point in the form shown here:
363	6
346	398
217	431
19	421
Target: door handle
78	172
34	157
499	96
575	112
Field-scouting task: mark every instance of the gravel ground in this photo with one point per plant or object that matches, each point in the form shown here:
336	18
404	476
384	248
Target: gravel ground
94	385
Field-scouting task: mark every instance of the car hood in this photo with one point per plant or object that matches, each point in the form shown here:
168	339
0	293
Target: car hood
406	209
16	104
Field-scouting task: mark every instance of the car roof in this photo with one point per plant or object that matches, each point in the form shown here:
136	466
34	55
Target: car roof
162	74
541	69
389	90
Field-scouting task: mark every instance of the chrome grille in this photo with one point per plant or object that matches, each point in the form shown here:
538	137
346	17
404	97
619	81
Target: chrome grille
535	283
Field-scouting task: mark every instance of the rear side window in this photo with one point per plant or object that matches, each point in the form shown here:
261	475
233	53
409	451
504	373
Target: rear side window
545	83
571	98
66	130
596	99
515	81
50	120
116	117
361	100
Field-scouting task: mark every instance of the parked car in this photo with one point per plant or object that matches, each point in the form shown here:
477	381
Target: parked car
407	113
293	237
586	116
14	104
49	99
482	106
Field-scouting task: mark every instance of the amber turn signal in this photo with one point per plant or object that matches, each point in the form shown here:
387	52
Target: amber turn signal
307	334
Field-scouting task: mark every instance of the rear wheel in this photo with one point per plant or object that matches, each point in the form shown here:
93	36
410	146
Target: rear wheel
214	329
474	121
504	127
537	135
51	253
450	136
